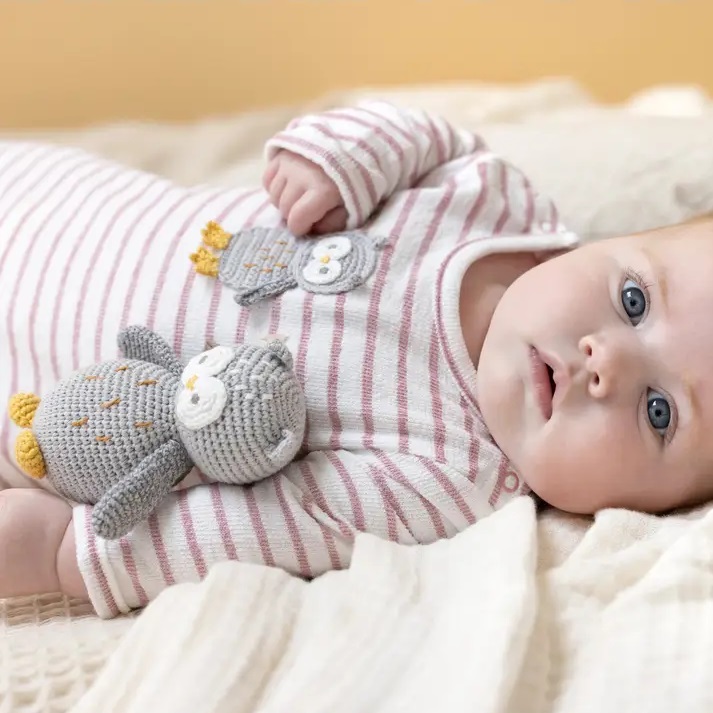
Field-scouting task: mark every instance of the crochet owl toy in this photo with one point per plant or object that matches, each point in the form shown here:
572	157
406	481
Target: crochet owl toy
121	434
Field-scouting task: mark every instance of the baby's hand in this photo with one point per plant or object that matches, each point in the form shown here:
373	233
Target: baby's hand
306	197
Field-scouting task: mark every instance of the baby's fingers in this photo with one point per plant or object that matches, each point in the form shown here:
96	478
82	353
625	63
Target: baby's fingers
308	210
270	172
291	195
334	222
277	187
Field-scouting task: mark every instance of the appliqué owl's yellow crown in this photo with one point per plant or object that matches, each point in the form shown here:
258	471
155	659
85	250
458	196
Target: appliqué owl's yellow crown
205	261
215	237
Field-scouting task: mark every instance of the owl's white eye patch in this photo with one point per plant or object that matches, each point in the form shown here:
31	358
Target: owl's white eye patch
209	363
202	403
321	273
335	248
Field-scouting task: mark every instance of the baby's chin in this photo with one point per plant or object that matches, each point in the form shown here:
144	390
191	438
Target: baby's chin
562	493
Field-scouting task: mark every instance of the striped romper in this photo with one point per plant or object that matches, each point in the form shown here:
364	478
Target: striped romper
395	445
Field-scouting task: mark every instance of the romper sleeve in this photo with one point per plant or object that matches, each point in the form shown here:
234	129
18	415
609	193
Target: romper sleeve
303	520
374	149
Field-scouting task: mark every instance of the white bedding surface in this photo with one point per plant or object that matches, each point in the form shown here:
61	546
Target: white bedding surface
632	590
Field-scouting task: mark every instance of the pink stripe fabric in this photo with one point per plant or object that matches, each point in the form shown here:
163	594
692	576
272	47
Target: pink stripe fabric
190	533
116	263
363	170
372	321
407	321
356	506
37	387
138	263
259	527
92	270
398	477
133	572
12	202
300	552
169	256
334	372
108	598
381	132
221	517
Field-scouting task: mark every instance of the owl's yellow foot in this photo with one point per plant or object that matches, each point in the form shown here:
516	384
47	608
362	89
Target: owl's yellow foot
29	456
22	409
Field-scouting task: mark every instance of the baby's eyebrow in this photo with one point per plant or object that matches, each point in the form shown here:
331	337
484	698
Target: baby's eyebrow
658	270
690	390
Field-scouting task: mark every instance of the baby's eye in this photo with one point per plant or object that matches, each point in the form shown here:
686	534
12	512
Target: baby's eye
633	300
659	411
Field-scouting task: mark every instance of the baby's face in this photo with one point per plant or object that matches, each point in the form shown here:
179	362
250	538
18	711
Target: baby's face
626	327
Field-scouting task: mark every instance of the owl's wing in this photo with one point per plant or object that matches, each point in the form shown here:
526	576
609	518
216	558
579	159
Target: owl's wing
258	263
136	496
137	342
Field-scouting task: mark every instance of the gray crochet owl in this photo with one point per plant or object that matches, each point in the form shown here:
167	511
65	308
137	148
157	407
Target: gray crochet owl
121	434
261	262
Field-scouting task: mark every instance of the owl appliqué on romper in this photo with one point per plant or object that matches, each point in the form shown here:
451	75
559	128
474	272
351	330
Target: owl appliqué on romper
261	262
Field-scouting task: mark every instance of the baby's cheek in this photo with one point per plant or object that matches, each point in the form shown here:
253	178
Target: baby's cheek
569	472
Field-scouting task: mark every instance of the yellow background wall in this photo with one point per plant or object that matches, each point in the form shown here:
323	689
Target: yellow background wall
69	62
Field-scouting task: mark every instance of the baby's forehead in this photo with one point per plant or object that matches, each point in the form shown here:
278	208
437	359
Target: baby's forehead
698	231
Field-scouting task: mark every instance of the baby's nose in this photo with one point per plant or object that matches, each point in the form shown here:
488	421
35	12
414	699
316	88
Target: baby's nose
607	365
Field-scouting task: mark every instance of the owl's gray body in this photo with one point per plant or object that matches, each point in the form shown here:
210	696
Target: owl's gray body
119	435
88	441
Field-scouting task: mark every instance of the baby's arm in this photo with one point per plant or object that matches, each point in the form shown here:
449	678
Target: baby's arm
303	520
330	171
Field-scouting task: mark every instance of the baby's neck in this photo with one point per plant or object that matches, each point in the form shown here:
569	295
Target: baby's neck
483	285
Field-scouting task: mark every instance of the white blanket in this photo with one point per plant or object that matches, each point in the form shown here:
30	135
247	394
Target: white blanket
506	616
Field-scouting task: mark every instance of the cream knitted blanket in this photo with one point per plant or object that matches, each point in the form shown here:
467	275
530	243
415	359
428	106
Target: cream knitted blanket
511	615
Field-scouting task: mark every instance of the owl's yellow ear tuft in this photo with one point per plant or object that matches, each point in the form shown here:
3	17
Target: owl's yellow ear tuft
29	456
206	263
215	237
22	409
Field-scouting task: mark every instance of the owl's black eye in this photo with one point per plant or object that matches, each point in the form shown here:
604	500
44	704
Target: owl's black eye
195	399
202	360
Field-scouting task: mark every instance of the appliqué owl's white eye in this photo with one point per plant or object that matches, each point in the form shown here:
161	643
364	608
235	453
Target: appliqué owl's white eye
335	248
209	363
202	403
321	272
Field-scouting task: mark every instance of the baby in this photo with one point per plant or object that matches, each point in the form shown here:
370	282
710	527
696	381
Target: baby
484	358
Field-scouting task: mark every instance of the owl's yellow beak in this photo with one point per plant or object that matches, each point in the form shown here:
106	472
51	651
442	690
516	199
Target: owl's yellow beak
191	383
325	259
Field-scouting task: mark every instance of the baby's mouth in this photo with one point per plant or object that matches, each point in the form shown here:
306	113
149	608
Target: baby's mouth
543	384
551	375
